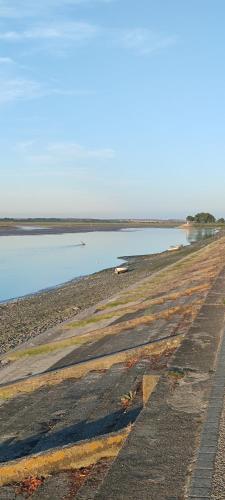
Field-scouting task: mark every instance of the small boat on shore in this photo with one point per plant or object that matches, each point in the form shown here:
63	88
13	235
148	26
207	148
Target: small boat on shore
82	243
120	270
173	248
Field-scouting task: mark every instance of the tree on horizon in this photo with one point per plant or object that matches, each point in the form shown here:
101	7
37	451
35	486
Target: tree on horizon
202	218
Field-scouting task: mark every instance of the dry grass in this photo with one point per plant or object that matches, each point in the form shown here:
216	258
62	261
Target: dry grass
138	307
144	320
29	485
127	399
94	335
48	379
46	348
68	457
90	320
132	361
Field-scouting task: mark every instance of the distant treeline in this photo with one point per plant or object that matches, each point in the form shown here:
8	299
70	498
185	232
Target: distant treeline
56	219
204	218
87	220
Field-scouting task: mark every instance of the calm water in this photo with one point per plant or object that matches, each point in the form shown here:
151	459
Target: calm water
32	263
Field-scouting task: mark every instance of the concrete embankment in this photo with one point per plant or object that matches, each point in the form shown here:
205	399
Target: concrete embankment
159	458
138	365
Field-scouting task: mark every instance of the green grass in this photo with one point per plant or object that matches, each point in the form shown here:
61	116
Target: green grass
48	348
90	321
176	374
116	303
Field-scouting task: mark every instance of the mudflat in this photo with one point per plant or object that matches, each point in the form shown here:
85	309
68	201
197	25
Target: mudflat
25	228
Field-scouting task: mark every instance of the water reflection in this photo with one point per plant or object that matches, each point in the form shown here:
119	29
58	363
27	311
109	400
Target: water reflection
198	234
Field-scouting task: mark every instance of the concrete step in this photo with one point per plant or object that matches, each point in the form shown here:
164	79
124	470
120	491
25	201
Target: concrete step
111	344
68	412
29	418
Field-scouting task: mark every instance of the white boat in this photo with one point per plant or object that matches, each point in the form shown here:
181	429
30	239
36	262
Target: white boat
173	248
120	270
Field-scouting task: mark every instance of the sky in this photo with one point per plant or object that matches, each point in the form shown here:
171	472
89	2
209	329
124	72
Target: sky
112	108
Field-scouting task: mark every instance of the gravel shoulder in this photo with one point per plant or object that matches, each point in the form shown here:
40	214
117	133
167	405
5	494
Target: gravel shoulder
218	484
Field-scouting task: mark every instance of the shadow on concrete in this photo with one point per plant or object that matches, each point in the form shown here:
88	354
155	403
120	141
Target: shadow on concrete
45	440
73	358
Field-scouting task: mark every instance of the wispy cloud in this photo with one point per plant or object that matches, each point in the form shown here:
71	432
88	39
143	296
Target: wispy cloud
22	89
19	89
61	154
6	60
31	8
144	41
141	41
74	31
72	92
46	32
81	2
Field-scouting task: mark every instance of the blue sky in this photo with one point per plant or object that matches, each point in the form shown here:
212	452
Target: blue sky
112	107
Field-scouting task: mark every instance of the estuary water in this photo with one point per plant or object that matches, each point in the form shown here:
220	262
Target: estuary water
32	263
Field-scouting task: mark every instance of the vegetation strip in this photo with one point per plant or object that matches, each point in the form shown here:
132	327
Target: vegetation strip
157	301
94	335
143	320
138	307
31	384
75	456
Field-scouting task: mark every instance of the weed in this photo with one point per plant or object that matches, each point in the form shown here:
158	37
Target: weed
176	374
127	399
132	362
77	478
30	485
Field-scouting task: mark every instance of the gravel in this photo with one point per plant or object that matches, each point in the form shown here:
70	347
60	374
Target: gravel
218	485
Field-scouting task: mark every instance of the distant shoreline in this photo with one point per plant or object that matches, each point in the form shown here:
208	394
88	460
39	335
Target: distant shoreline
15	230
